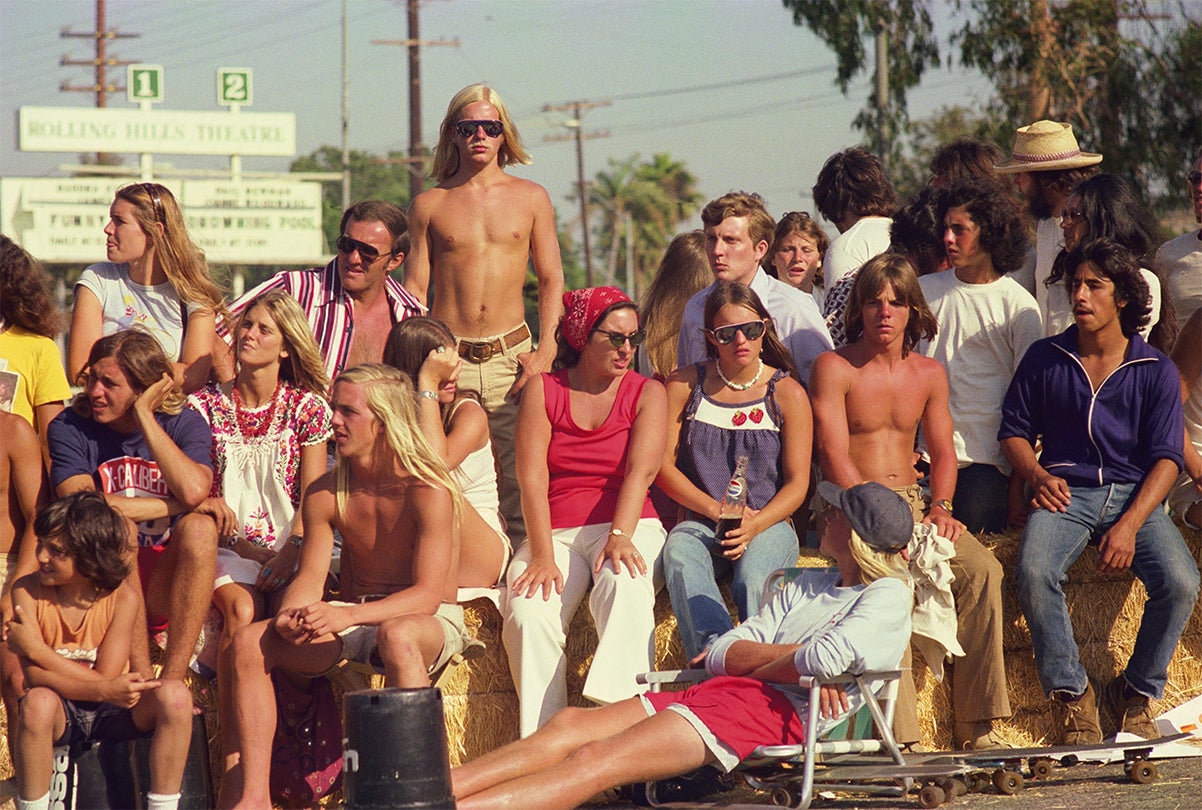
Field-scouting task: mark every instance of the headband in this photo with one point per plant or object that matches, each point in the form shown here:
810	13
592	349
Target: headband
582	309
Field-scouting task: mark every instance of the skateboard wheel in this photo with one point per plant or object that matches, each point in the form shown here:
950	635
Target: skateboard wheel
978	782
931	796
1008	782
785	797
1041	768
953	787
1142	773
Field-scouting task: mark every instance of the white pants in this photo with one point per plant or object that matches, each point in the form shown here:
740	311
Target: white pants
623	608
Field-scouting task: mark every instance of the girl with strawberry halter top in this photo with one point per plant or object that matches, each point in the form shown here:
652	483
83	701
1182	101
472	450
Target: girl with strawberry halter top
743	401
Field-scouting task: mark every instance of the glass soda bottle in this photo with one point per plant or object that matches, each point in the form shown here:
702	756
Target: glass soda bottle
734	501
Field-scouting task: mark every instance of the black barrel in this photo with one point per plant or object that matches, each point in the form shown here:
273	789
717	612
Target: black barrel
395	751
196	790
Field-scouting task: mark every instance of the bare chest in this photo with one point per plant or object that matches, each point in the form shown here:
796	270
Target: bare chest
371	327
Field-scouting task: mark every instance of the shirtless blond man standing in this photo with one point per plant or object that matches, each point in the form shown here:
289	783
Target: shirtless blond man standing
471	238
870	397
396	507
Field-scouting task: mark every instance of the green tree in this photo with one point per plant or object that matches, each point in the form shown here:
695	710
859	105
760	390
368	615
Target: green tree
847	25
642	205
372	178
1127	79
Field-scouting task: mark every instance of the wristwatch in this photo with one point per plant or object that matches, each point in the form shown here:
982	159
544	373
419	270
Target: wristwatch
428	394
944	504
618	533
296	540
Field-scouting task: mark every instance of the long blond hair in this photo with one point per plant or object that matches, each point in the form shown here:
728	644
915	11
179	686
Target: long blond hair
181	260
303	367
875	564
392	400
446	156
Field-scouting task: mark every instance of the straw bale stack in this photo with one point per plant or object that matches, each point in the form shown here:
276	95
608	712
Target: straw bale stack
481	707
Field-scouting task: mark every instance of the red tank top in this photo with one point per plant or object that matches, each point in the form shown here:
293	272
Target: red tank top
586	468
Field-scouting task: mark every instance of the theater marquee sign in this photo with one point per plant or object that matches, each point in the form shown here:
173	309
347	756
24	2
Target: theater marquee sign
173	132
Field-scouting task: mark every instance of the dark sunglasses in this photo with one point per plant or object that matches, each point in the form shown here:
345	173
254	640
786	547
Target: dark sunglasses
752	330
1194	178
366	252
467	129
617	339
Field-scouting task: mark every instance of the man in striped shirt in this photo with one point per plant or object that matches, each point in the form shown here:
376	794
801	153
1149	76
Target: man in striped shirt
353	301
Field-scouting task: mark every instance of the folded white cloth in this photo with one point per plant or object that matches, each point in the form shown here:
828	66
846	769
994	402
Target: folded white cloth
934	618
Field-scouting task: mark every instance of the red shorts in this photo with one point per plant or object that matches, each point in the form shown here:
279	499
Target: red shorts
148	558
743	713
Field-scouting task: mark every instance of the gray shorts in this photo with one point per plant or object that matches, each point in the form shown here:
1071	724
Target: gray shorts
359	641
89	722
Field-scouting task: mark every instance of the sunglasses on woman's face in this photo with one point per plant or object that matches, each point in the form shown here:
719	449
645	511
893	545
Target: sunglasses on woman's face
467	128
752	330
617	339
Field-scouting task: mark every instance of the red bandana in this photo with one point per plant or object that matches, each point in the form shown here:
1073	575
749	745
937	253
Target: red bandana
582	308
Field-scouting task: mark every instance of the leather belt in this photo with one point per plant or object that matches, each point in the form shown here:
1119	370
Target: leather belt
481	351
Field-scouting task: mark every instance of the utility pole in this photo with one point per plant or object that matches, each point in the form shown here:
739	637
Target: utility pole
574	123
417	150
882	93
100	64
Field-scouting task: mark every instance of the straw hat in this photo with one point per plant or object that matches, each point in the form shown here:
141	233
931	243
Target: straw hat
1045	146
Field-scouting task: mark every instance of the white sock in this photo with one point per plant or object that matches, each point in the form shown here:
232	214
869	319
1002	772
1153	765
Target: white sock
34	804
158	801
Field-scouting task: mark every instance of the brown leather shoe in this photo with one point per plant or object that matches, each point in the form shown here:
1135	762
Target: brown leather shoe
1079	718
977	736
1134	713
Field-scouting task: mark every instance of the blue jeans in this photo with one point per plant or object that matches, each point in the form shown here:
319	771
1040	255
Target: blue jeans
691	574
1052	541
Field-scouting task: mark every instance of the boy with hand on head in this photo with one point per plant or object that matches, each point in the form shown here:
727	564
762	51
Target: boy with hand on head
72	625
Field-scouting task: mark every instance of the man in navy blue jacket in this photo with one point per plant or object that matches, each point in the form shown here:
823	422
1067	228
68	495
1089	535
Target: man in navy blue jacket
1106	407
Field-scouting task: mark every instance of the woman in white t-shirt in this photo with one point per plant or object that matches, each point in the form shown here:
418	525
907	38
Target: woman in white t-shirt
155	279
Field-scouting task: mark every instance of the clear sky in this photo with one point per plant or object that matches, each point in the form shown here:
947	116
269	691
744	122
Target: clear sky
732	88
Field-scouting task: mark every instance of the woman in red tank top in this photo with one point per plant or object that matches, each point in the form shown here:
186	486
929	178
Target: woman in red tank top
589	439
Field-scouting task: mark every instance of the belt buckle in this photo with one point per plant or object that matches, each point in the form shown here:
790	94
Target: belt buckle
480	352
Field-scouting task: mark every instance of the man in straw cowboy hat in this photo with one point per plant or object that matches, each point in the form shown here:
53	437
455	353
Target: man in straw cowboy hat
1047	164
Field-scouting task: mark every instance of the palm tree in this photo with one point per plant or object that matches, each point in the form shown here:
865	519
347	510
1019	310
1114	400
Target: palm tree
643	204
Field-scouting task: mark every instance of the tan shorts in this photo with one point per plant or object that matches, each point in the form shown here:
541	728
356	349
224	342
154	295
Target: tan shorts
359	641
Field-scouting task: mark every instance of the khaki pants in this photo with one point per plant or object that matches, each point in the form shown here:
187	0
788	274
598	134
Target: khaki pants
979	678
491	380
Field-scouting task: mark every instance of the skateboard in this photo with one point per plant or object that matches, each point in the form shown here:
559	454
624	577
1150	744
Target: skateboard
1007	763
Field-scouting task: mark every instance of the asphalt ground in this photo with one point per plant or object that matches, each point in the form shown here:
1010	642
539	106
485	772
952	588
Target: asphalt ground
1086	786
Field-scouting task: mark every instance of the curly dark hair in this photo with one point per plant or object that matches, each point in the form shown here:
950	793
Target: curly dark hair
917	231
853	182
25	297
93	534
1003	233
1111	259
1110	207
965	157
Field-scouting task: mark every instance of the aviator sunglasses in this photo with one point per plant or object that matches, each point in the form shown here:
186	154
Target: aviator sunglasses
467	128
752	330
366	252
617	339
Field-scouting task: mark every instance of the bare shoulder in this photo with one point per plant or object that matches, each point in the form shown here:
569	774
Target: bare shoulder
925	368
429	498
831	367
790	393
